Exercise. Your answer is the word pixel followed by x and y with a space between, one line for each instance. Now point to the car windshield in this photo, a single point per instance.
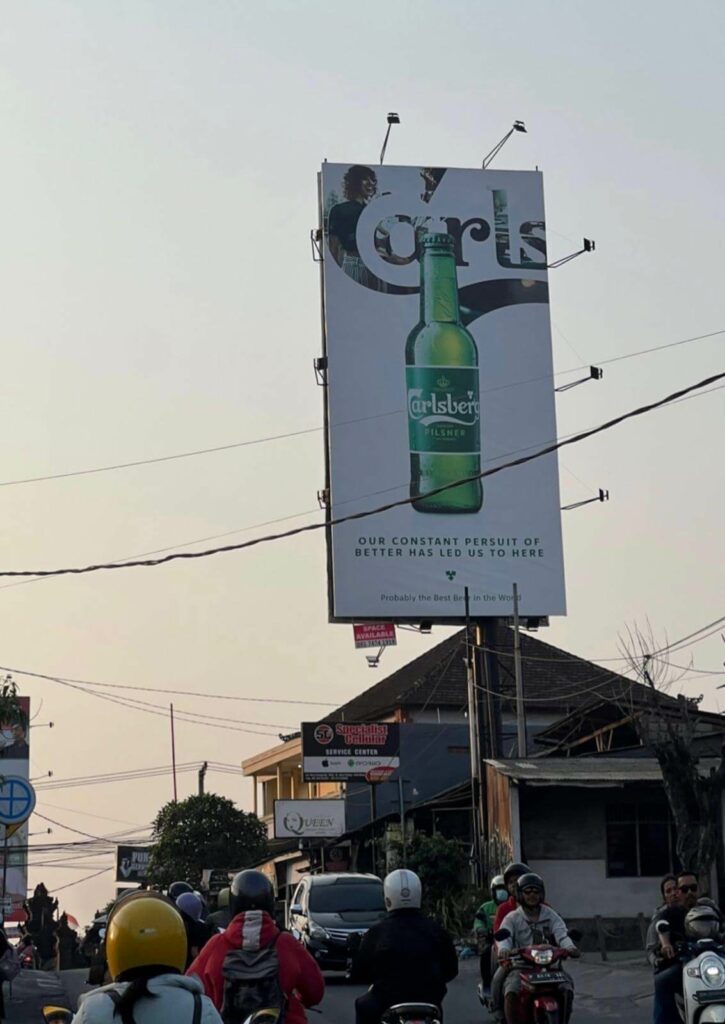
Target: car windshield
pixel 347 897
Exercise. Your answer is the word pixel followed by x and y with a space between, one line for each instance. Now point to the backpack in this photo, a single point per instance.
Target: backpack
pixel 251 983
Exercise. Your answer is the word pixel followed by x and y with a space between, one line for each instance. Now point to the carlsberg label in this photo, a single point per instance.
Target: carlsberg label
pixel 443 409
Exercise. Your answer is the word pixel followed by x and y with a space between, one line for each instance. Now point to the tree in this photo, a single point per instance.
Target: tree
pixel 668 730
pixel 440 864
pixel 200 832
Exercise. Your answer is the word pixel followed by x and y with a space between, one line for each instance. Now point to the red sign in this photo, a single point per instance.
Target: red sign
pixel 380 774
pixel 374 634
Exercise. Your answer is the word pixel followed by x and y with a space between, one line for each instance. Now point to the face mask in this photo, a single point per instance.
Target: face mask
pixel 500 895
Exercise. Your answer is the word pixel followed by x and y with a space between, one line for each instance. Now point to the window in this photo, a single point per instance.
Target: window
pixel 640 839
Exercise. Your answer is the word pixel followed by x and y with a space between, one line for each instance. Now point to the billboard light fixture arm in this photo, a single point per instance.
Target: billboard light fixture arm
pixel 587 246
pixel 373 660
pixel 393 118
pixel 320 365
pixel 595 373
pixel 316 244
pixel 517 126
pixel 602 496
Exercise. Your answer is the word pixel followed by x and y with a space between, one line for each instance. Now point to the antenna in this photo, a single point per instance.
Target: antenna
pixel 517 126
pixel 393 118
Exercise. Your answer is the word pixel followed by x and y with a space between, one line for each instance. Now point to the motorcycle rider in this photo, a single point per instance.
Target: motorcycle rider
pixel 511 875
pixel 407 957
pixel 222 915
pixel 670 898
pixel 146 952
pixel 198 931
pixel 532 923
pixel 483 926
pixel 253 928
pixel 668 979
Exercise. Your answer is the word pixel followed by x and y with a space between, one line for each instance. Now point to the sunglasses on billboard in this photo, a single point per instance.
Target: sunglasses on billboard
pixel 687 888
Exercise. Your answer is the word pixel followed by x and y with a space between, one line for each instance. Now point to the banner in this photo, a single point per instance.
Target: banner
pixel 335 751
pixel 309 819
pixel 439 367
pixel 132 863
pixel 374 634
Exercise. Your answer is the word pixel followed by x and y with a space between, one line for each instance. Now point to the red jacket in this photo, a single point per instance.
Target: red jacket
pixel 503 909
pixel 300 977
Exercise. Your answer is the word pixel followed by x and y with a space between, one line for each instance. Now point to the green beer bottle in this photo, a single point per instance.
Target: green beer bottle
pixel 441 369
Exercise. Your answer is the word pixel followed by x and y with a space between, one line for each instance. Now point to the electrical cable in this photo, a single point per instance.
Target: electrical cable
pixel 313 527
pixel 156 689
pixel 676 644
pixel 78 881
pixel 312 430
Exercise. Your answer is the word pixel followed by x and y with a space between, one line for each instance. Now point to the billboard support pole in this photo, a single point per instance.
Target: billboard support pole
pixel 520 714
pixel 475 746
pixel 401 798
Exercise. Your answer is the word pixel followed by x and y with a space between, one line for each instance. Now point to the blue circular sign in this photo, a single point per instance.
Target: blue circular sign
pixel 17 799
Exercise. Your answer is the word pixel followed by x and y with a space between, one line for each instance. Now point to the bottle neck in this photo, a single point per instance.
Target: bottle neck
pixel 438 288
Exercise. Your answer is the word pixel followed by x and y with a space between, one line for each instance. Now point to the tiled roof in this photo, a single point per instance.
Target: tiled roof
pixel 554 680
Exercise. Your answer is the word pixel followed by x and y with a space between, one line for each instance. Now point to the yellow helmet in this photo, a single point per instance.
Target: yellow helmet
pixel 145 932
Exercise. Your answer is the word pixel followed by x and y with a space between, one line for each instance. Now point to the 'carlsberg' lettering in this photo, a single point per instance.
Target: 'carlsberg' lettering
pixel 442 407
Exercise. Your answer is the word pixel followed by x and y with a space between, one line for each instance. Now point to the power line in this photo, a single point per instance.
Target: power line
pixel 312 527
pixel 714 626
pixel 313 430
pixel 157 689
pixel 79 881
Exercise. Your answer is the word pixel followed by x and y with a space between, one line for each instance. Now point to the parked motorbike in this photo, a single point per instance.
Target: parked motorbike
pixel 703 980
pixel 543 998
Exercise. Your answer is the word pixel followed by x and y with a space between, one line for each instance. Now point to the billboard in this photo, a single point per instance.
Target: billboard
pixel 15 764
pixel 309 819
pixel 132 863
pixel 336 751
pixel 439 367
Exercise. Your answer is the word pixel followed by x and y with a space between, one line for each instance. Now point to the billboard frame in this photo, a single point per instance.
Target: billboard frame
pixel 526 621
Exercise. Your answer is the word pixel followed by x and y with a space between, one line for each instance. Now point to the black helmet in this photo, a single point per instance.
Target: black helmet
pixel 515 868
pixel 251 890
pixel 176 888
pixel 530 881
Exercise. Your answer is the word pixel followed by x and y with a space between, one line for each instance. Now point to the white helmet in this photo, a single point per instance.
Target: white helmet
pixel 402 890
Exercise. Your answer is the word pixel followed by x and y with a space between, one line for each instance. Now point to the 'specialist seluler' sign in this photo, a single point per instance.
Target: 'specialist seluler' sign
pixel 439 367
pixel 309 819
pixel 335 751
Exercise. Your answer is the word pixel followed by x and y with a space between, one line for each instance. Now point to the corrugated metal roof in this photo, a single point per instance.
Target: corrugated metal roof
pixel 580 771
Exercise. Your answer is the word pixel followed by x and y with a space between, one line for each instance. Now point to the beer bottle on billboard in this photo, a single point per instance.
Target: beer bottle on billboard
pixel 442 383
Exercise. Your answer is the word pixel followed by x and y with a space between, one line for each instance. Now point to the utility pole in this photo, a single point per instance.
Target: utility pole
pixel 520 714
pixel 173 748
pixel 202 776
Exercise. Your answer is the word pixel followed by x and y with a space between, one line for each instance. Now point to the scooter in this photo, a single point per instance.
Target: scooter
pixel 543 998
pixel 703 981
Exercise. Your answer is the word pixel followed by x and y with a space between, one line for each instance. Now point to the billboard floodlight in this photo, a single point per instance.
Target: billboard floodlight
pixel 393 118
pixel 517 126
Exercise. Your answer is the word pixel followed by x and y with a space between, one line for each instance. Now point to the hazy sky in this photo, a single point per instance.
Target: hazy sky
pixel 158 295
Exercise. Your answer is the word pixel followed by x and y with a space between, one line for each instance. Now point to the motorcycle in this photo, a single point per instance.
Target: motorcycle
pixel 703 981
pixel 544 997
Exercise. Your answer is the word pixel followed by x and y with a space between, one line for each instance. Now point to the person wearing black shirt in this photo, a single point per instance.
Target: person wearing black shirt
pixel 668 980
pixel 408 957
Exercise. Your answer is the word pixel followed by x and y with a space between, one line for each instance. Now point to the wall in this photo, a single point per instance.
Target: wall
pixel 564 840
pixel 433 759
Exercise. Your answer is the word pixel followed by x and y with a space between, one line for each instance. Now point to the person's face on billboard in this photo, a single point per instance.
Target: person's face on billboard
pixel 368 187
pixel 18 733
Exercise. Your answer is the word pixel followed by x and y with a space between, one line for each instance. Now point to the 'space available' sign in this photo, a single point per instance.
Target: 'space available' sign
pixel 439 367
pixel 335 751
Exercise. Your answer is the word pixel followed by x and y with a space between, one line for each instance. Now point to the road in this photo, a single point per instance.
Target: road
pixel 605 994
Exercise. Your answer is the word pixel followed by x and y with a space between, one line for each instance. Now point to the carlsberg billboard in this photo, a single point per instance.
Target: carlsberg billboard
pixel 439 367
